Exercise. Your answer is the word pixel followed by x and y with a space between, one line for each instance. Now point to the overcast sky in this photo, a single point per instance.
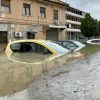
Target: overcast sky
pixel 91 6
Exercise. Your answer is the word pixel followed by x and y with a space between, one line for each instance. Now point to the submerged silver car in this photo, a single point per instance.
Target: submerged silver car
pixel 94 41
pixel 71 44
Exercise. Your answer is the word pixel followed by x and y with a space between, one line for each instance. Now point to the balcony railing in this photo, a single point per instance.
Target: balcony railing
pixel 57 22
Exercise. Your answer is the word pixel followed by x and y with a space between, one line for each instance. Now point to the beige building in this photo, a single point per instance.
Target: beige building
pixel 32 19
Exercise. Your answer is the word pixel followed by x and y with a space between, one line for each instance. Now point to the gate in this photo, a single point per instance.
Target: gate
pixel 3 37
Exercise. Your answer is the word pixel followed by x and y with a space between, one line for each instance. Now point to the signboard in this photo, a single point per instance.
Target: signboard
pixel 4 27
pixel 33 28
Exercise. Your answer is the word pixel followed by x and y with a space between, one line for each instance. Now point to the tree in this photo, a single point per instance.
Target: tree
pixel 88 27
pixel 98 26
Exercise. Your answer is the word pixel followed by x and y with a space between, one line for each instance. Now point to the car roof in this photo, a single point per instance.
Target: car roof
pixel 65 41
pixel 29 40
pixel 91 41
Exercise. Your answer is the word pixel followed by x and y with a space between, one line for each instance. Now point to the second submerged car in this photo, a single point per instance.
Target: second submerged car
pixel 71 44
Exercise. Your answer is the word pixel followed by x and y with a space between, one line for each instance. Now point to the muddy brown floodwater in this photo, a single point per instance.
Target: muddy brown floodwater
pixel 16 70
pixel 79 79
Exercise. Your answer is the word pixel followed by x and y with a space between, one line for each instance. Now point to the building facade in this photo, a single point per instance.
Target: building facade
pixel 73 21
pixel 32 19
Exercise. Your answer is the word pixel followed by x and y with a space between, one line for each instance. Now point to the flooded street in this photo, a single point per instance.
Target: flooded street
pixel 79 79
pixel 18 70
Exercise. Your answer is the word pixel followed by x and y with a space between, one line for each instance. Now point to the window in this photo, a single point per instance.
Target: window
pixel 56 14
pixel 16 47
pixel 5 6
pixel 70 45
pixel 29 47
pixel 42 12
pixel 57 47
pixel 26 9
pixel 70 25
pixel 67 25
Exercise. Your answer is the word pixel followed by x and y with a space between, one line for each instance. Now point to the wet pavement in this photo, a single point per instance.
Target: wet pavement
pixel 79 79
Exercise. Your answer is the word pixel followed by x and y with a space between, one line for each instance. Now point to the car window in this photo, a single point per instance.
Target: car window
pixel 77 43
pixel 59 43
pixel 41 49
pixel 95 41
pixel 25 47
pixel 57 47
pixel 70 45
pixel 15 47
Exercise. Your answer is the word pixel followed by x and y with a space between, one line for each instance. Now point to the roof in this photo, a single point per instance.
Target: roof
pixel 76 9
pixel 59 2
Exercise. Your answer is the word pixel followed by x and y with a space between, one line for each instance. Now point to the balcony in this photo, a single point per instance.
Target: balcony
pixel 57 24
pixel 76 15
pixel 73 22
pixel 73 30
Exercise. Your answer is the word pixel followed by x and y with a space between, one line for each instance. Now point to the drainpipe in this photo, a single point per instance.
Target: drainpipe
pixel 38 23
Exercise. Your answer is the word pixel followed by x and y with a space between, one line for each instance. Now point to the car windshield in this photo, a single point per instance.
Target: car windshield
pixel 78 43
pixel 57 47
pixel 95 41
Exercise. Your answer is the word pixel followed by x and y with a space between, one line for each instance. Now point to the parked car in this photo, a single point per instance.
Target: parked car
pixel 71 44
pixel 35 46
pixel 94 41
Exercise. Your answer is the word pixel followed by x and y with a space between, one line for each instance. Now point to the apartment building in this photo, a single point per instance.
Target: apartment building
pixel 32 19
pixel 73 21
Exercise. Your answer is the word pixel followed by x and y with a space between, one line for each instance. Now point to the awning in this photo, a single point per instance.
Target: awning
pixel 58 27
pixel 73 30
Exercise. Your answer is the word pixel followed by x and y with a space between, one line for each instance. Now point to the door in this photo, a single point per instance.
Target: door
pixel 3 37
pixel 30 35
pixel 52 34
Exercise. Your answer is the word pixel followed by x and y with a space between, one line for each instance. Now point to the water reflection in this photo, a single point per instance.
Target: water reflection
pixel 16 76
pixel 18 70
pixel 28 57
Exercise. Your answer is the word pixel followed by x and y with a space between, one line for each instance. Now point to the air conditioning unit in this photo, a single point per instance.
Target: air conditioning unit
pixel 18 34
pixel 56 22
